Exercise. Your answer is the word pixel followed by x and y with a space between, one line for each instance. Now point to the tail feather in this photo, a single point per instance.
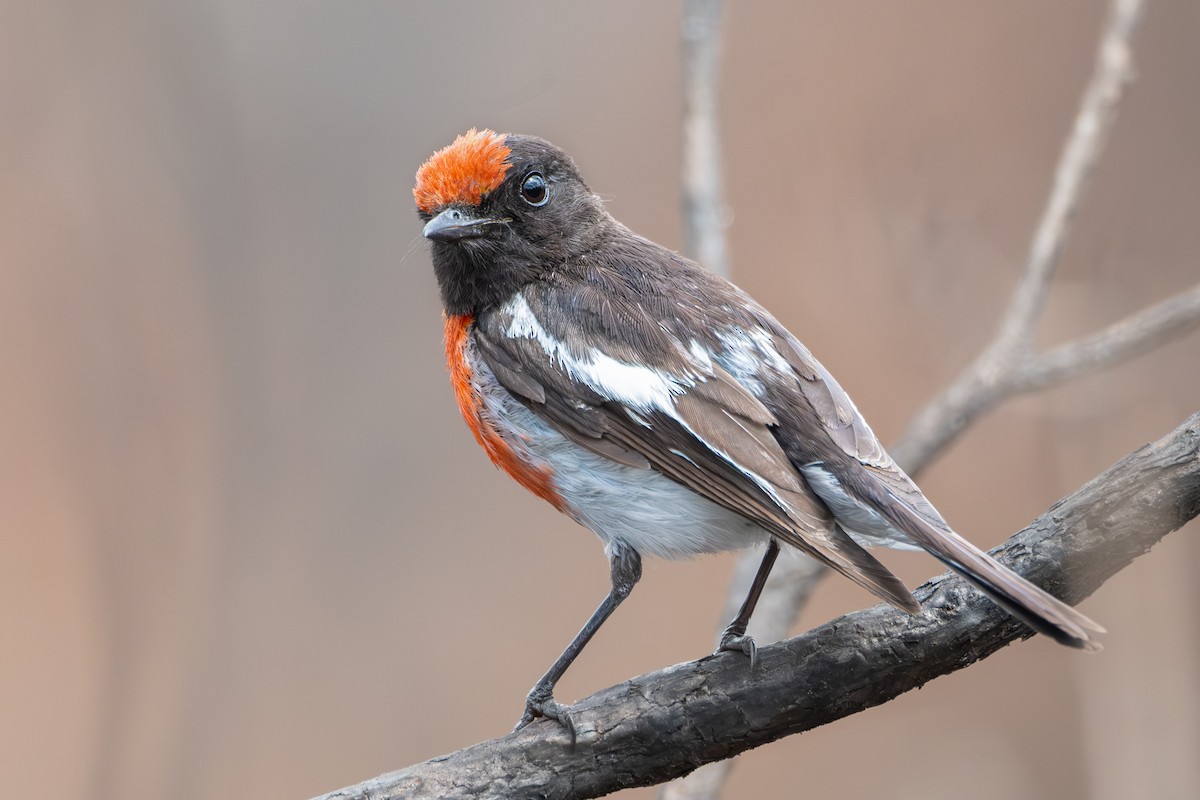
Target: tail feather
pixel 1032 605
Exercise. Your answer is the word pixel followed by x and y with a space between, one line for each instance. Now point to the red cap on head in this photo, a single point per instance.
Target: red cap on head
pixel 473 165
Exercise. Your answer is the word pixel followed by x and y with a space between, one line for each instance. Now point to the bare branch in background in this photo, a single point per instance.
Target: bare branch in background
pixel 996 373
pixel 659 726
pixel 1130 337
pixel 705 215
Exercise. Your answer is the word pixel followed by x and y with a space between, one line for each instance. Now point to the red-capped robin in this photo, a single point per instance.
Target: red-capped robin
pixel 659 405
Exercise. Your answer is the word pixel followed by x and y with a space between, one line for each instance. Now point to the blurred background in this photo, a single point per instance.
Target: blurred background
pixel 247 547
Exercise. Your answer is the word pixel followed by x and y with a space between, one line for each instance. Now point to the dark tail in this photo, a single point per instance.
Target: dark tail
pixel 1033 606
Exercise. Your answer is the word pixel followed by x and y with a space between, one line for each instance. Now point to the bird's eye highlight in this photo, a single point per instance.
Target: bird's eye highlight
pixel 534 189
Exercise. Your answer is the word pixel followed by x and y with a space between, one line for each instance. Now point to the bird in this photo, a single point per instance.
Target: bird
pixel 660 406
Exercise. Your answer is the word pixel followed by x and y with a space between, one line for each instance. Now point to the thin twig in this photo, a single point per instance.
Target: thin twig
pixel 659 726
pixel 1132 336
pixel 705 215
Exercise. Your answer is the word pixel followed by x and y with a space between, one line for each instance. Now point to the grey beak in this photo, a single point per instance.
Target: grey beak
pixel 454 224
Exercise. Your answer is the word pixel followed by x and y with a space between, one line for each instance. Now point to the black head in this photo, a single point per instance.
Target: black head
pixel 502 210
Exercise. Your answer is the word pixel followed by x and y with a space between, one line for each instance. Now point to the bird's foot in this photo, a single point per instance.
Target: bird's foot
pixel 541 703
pixel 736 641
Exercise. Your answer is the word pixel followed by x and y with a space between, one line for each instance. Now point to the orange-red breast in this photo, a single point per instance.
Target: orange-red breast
pixel 659 405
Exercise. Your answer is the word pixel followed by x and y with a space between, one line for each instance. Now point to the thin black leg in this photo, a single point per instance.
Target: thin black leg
pixel 734 638
pixel 625 568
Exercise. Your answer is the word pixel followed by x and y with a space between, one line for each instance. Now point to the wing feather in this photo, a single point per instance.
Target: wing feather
pixel 844 426
pixel 709 434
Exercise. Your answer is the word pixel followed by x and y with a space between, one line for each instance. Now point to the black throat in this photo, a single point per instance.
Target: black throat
pixel 475 275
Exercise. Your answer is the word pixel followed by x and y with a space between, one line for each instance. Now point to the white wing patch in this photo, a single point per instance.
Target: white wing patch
pixel 640 388
pixel 702 356
pixel 745 355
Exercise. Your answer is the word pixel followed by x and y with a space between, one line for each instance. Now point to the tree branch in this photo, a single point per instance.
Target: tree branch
pixel 1132 336
pixel 662 725
pixel 705 215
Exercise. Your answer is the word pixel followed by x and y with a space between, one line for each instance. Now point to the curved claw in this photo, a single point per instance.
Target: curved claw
pixel 740 644
pixel 547 707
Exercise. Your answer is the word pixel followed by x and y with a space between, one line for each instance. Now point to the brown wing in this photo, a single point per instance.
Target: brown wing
pixel 843 426
pixel 715 438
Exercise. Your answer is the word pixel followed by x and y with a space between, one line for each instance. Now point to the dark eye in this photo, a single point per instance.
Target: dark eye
pixel 534 189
